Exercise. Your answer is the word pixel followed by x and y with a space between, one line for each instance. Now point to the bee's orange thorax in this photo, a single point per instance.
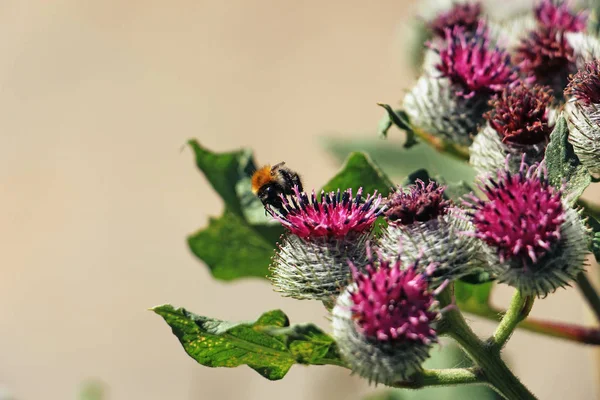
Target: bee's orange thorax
pixel 261 177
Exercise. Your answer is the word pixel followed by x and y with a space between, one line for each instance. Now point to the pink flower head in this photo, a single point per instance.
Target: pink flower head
pixel 472 64
pixel 464 15
pixel 335 214
pixel 420 203
pixel 520 114
pixel 555 14
pixel 546 57
pixel 584 86
pixel 392 304
pixel 522 216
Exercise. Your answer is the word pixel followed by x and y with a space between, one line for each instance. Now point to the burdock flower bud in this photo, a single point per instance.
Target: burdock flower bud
pixel 427 228
pixel 520 122
pixel 583 115
pixel 433 106
pixel 323 234
pixel 536 242
pixel 464 15
pixel 384 322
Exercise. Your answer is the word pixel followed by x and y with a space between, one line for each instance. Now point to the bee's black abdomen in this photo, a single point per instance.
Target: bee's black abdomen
pixel 290 179
pixel 269 195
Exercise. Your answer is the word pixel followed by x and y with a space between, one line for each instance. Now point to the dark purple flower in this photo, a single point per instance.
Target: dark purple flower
pixel 520 114
pixel 546 57
pixel 420 203
pixel 334 214
pixel 555 14
pixel 472 64
pixel 464 15
pixel 390 303
pixel 584 86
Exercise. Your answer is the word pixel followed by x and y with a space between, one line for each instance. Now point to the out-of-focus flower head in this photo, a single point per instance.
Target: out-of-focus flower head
pixel 546 57
pixel 465 15
pixel 472 64
pixel 556 14
pixel 583 115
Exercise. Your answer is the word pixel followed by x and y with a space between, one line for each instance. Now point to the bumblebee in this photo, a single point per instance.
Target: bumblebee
pixel 270 182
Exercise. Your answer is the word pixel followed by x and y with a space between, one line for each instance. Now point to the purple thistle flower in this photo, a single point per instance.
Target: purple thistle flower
pixel 557 15
pixel 472 64
pixel 384 322
pixel 394 304
pixel 423 223
pixel 323 234
pixel 334 214
pixel 520 122
pixel 420 203
pixel 539 242
pixel 520 114
pixel 522 216
pixel 464 15
pixel 584 86
pixel 546 57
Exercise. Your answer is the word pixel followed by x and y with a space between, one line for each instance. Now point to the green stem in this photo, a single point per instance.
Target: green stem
pixel 492 367
pixel 518 310
pixel 589 292
pixel 443 377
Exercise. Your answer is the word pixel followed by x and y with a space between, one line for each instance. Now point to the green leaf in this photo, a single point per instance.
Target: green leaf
pixel 398 162
pixel 230 175
pixel 233 249
pixel 360 171
pixel 262 345
pixel 400 119
pixel 454 190
pixel 563 165
pixel 473 298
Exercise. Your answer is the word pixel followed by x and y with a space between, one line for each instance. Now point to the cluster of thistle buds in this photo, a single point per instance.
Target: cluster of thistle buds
pixel 380 263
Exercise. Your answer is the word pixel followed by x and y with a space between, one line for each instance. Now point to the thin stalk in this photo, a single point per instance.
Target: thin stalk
pixel 571 332
pixel 488 360
pixel 589 292
pixel 518 310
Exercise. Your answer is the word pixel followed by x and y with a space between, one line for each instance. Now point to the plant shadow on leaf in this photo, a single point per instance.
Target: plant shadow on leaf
pixel 398 162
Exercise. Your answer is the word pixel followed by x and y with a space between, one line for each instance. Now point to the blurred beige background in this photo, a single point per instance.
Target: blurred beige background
pixel 97 99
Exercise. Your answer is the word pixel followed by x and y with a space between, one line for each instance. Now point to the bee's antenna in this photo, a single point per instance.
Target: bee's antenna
pixel 278 165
